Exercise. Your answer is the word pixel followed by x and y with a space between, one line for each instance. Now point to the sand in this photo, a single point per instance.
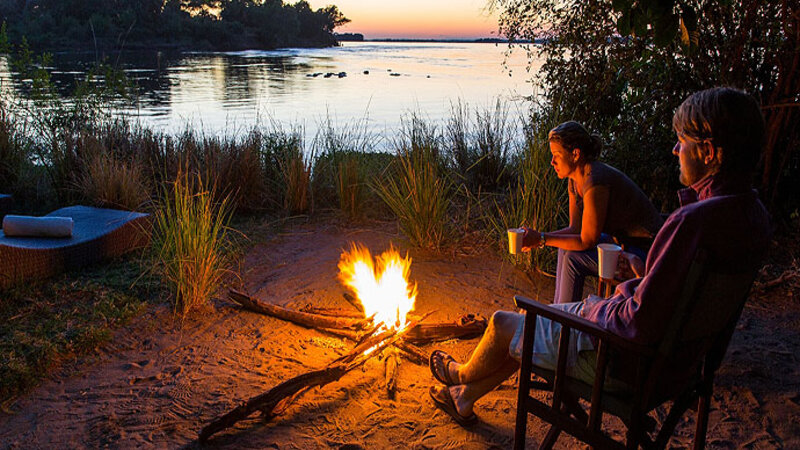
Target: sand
pixel 158 382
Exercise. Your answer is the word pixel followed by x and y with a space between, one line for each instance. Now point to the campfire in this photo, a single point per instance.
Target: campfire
pixel 381 324
pixel 381 285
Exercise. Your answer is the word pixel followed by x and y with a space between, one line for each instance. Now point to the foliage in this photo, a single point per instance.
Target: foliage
pixel 627 88
pixel 197 24
pixel 190 242
pixel 419 191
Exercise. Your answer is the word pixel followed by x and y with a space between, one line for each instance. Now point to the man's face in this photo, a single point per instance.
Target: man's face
pixel 690 157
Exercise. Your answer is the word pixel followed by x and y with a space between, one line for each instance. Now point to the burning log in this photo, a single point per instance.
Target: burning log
pixel 276 400
pixel 465 327
pixel 391 369
pixel 412 352
pixel 336 312
pixel 354 301
pixel 300 318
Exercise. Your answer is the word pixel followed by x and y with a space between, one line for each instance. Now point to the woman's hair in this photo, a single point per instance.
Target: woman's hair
pixel 572 135
pixel 730 119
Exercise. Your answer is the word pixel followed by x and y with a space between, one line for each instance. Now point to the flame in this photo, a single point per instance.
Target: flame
pixel 381 285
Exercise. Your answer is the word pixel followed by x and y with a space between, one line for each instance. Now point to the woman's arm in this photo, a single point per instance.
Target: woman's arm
pixel 575 215
pixel 595 207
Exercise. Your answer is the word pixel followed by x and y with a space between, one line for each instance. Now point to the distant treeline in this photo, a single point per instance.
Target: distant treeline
pixel 178 24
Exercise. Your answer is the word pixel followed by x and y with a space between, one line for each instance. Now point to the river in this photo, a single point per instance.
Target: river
pixel 375 84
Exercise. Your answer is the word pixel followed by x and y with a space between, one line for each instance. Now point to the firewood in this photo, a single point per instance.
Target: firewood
pixel 465 327
pixel 276 400
pixel 391 369
pixel 354 301
pixel 300 318
pixel 412 353
pixel 335 312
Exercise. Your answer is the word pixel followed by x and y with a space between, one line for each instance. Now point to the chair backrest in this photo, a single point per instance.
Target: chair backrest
pixel 706 313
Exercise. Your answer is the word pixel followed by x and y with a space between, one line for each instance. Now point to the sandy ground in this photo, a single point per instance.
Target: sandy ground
pixel 157 384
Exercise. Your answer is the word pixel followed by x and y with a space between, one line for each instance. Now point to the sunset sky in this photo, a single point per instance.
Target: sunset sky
pixel 424 19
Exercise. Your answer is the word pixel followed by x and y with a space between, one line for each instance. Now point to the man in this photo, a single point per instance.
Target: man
pixel 720 133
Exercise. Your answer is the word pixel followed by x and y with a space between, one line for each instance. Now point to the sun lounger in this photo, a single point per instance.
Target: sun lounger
pixel 98 234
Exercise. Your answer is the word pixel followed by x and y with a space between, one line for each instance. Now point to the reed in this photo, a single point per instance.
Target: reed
pixel 539 199
pixel 479 150
pixel 189 241
pixel 418 190
pixel 110 181
pixel 343 167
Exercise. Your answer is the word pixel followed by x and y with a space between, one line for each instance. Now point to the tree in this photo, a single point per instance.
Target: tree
pixel 623 66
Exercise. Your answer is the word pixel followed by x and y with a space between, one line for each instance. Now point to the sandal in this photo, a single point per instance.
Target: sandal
pixel 444 401
pixel 439 363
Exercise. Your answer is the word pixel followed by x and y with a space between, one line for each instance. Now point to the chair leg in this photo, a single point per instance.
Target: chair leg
pixel 679 407
pixel 703 405
pixel 633 434
pixel 550 440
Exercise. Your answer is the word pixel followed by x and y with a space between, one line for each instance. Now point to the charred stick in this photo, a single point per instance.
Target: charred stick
pixel 336 312
pixel 277 399
pixel 354 301
pixel 466 327
pixel 300 318
pixel 413 353
pixel 391 369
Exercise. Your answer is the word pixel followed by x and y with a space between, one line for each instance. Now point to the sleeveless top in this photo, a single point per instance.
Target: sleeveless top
pixel 631 217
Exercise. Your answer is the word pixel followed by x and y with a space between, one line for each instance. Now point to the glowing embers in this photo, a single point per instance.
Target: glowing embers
pixel 380 284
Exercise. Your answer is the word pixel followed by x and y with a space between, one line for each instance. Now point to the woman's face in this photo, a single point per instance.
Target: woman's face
pixel 563 162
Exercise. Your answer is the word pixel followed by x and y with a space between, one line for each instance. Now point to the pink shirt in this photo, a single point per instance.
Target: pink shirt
pixel 723 217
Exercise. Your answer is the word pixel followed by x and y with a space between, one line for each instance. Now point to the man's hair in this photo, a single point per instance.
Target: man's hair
pixel 572 135
pixel 728 118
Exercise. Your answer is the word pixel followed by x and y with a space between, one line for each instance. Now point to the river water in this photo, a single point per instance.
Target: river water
pixel 376 84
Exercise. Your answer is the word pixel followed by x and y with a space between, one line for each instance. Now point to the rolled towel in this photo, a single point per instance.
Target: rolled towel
pixel 29 226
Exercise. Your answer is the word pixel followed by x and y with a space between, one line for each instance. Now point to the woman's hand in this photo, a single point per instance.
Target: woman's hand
pixel 530 239
pixel 629 266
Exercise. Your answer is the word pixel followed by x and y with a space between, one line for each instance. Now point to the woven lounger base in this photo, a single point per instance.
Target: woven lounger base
pixel 98 234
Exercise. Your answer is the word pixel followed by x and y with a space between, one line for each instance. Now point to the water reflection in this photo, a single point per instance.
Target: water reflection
pixel 231 92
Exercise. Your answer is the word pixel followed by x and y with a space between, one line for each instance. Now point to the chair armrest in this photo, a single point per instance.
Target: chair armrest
pixel 581 324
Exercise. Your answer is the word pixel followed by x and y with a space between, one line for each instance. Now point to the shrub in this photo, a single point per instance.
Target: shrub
pixel 189 239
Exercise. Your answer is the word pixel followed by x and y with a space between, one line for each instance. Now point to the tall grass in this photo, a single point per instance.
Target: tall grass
pixel 109 181
pixel 13 150
pixel 344 166
pixel 419 191
pixel 539 199
pixel 479 150
pixel 189 240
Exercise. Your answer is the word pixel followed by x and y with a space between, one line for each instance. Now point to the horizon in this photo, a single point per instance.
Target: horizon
pixel 416 19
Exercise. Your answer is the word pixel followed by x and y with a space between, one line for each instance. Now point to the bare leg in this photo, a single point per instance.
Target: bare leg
pixel 492 351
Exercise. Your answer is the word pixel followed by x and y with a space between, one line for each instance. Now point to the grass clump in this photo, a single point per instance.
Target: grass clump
pixel 111 182
pixel 419 191
pixel 189 239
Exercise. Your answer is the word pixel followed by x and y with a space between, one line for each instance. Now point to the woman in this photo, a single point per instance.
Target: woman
pixel 604 206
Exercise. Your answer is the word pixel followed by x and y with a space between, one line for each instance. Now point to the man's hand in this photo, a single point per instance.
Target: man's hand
pixel 629 266
pixel 530 239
